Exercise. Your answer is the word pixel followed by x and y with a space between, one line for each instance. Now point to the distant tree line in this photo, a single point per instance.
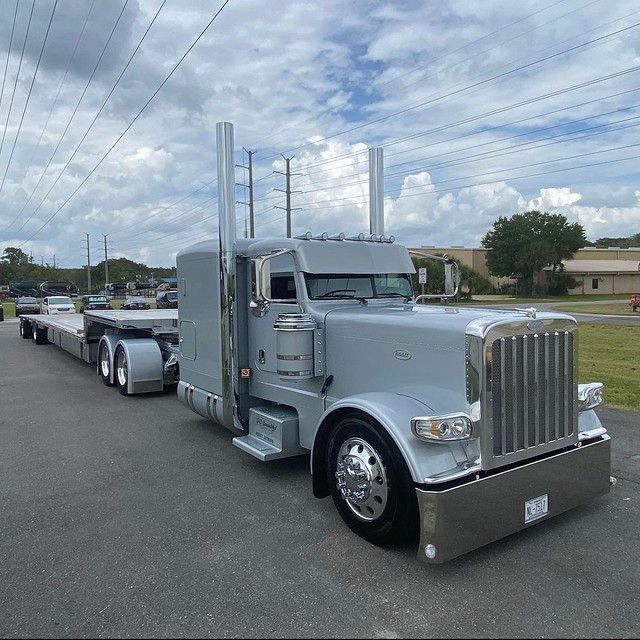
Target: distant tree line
pixel 16 265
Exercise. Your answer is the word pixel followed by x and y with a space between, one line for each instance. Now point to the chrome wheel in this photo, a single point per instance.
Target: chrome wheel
pixel 105 365
pixel 362 479
pixel 122 370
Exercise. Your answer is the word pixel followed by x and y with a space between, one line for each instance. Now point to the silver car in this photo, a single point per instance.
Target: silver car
pixel 54 305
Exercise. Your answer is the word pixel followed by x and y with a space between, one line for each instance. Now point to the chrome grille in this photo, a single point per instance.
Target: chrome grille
pixel 532 395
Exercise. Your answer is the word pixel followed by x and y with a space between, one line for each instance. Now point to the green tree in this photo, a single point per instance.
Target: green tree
pixel 15 257
pixel 527 242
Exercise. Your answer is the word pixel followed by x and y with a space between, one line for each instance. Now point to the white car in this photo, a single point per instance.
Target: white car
pixel 53 305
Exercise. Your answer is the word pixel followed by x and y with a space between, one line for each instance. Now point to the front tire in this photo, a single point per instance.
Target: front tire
pixel 370 483
pixel 121 371
pixel 104 365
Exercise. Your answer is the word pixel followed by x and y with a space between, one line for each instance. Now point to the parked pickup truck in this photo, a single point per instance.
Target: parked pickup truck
pixel 94 303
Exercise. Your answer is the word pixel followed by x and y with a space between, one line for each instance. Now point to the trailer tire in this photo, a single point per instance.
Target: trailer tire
pixel 121 371
pixel 26 330
pixel 370 483
pixel 39 335
pixel 104 364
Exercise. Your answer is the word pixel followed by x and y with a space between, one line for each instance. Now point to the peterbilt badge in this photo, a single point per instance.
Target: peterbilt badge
pixel 402 355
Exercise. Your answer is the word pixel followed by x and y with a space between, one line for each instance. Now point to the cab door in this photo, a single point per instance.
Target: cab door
pixel 262 336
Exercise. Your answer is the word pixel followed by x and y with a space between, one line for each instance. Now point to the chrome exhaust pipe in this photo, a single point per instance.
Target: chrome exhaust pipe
pixel 376 191
pixel 227 253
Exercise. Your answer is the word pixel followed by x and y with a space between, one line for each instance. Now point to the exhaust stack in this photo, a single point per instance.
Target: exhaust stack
pixel 227 249
pixel 376 191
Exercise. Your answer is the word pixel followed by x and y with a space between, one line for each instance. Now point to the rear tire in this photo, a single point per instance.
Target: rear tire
pixel 26 330
pixel 121 371
pixel 104 365
pixel 370 483
pixel 39 335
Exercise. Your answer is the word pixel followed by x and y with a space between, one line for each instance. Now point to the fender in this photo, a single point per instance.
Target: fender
pixel 393 412
pixel 144 360
pixel 111 340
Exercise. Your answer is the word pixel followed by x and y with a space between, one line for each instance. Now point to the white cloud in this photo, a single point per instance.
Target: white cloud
pixel 292 75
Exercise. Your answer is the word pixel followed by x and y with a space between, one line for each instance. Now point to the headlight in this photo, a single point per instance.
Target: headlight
pixel 456 426
pixel 590 395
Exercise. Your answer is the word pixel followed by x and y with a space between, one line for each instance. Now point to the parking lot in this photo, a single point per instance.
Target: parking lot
pixel 134 517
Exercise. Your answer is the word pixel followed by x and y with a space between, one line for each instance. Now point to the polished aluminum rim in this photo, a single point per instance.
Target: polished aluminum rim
pixel 362 479
pixel 104 362
pixel 122 369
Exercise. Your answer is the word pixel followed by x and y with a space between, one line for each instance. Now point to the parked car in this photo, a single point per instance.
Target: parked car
pixel 26 304
pixel 93 303
pixel 167 300
pixel 54 305
pixel 135 303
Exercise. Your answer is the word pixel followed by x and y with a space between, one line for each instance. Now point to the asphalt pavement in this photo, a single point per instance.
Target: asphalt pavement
pixel 133 517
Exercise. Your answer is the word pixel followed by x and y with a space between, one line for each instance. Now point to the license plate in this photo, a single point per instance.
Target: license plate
pixel 536 508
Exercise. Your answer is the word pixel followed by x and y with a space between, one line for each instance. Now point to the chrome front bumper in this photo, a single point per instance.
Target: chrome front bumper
pixel 458 520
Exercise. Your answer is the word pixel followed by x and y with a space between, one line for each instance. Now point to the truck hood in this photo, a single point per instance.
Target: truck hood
pixel 413 350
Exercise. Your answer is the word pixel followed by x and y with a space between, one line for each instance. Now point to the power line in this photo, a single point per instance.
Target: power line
pixel 494 153
pixel 465 88
pixel 26 104
pixel 162 209
pixel 15 84
pixel 106 99
pixel 468 44
pixel 155 93
pixel 6 66
pixel 73 115
pixel 497 111
pixel 51 110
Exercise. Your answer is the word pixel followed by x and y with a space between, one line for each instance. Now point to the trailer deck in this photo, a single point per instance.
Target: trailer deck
pixel 79 334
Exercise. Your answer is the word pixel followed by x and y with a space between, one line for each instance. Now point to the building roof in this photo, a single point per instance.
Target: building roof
pixel 600 266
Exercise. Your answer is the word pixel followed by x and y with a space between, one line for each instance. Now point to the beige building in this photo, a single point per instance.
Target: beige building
pixel 599 271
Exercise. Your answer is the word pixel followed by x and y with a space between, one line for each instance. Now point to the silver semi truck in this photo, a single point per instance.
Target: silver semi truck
pixel 462 424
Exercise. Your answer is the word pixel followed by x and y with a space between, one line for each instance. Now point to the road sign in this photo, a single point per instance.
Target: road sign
pixel 422 275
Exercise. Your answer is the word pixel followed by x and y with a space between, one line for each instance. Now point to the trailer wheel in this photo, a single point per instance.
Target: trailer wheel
pixel 104 365
pixel 370 482
pixel 39 335
pixel 121 371
pixel 26 331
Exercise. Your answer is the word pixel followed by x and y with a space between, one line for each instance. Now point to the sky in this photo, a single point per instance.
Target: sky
pixel 483 109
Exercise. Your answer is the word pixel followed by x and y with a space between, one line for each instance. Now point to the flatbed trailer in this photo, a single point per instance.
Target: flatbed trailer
pixel 137 351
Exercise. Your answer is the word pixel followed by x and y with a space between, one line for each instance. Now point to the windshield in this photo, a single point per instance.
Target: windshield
pixel 60 300
pixel 97 299
pixel 26 301
pixel 385 285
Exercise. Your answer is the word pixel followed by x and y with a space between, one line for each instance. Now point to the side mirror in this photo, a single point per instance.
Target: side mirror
pixel 262 279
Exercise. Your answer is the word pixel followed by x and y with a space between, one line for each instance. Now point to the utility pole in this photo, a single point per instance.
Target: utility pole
pixel 249 186
pixel 106 262
pixel 287 174
pixel 88 266
pixel 54 260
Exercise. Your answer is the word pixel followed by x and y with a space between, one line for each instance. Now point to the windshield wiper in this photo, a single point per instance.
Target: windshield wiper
pixel 337 294
pixel 394 294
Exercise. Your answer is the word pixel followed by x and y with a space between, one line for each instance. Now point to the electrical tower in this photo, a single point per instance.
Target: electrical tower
pixel 88 266
pixel 249 186
pixel 106 261
pixel 287 191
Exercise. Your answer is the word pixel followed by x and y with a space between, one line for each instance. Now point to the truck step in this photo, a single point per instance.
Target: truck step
pixel 273 433
pixel 259 448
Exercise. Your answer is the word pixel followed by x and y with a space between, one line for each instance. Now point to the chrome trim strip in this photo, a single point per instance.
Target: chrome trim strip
pixel 525 393
pixel 536 361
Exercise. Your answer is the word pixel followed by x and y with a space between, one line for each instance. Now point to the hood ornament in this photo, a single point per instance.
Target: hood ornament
pixel 530 312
